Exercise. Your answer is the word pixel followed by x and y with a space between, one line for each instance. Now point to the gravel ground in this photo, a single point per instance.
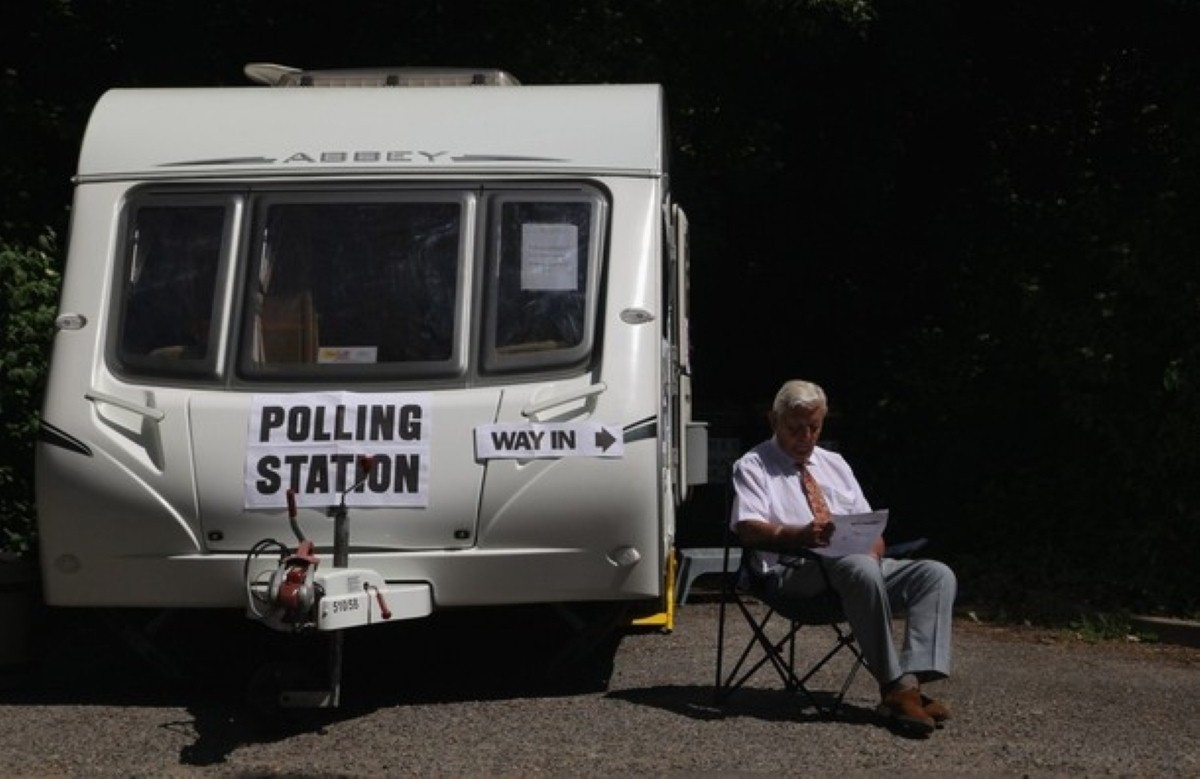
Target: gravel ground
pixel 444 698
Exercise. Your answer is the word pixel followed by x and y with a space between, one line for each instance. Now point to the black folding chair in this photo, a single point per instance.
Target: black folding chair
pixel 773 632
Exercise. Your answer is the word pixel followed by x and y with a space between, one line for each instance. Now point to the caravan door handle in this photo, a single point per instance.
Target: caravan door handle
pixel 533 409
pixel 138 408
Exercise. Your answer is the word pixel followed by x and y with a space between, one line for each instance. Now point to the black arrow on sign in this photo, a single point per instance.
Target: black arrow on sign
pixel 604 439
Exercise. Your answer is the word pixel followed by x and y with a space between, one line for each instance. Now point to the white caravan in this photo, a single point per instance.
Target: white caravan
pixel 481 287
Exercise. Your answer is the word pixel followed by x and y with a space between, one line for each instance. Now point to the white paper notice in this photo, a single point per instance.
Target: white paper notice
pixel 311 443
pixel 549 257
pixel 854 533
pixel 523 441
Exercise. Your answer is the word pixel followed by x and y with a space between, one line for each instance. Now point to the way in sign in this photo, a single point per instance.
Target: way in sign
pixel 548 440
pixel 530 440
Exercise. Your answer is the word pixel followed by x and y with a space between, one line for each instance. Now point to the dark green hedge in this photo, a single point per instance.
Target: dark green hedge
pixel 29 286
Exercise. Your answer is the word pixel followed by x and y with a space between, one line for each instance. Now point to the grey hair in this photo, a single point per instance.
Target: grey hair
pixel 799 394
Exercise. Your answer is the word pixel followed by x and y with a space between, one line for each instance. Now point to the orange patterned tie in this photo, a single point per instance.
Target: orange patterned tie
pixel 816 498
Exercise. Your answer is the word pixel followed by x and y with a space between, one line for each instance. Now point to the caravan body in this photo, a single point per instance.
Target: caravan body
pixel 483 288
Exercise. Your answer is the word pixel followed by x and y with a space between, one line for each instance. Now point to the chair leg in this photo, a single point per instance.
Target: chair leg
pixel 728 683
pixel 781 655
pixel 845 641
pixel 773 652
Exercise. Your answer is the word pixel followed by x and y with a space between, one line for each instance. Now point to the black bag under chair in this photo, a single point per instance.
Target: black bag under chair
pixel 773 639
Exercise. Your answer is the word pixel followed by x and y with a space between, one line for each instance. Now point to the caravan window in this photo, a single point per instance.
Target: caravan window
pixel 356 285
pixel 168 312
pixel 541 298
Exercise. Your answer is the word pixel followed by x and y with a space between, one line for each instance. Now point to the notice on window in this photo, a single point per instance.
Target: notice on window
pixel 313 443
pixel 549 257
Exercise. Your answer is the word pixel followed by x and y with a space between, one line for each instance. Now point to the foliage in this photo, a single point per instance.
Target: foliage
pixel 1054 369
pixel 1102 627
pixel 29 285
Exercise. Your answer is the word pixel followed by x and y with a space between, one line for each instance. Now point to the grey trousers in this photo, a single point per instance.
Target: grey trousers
pixel 872 591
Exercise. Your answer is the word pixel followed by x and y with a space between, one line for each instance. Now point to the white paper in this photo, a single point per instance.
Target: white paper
pixel 311 442
pixel 549 257
pixel 854 533
pixel 523 441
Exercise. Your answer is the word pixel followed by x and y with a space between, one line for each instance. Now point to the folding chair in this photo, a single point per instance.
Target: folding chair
pixel 773 632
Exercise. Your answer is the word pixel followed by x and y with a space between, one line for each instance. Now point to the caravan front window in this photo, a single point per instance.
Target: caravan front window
pixel 168 316
pixel 331 285
pixel 355 285
pixel 542 280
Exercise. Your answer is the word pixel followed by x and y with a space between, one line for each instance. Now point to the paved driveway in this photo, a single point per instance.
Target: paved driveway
pixel 431 700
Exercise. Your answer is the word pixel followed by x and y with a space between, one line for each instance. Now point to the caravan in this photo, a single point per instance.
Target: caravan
pixel 476 288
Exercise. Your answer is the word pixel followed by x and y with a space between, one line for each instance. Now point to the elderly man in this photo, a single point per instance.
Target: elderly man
pixel 788 493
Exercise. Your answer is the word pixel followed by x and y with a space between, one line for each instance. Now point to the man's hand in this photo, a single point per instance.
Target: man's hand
pixel 818 533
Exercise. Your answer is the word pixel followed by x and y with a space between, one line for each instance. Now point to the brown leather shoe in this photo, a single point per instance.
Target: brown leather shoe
pixel 903 708
pixel 936 710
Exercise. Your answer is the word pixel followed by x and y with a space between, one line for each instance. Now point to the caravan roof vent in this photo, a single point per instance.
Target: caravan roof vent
pixel 284 76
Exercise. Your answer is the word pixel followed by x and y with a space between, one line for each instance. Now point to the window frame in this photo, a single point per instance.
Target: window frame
pixel 182 367
pixel 455 366
pixel 493 360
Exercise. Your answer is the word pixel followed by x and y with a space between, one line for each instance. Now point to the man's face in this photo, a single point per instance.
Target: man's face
pixel 798 430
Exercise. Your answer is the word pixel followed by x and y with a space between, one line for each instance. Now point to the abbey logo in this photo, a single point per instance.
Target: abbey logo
pixel 342 157
pixel 370 157
pixel 403 156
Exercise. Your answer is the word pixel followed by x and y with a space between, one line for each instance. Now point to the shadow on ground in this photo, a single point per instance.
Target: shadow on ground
pixel 229 672
pixel 767 704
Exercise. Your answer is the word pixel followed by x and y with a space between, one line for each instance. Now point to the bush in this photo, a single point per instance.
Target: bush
pixel 29 286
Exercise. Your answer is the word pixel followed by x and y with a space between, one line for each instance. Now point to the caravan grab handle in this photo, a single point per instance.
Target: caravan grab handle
pixel 138 408
pixel 534 409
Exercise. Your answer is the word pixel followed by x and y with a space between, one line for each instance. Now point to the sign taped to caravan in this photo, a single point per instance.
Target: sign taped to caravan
pixel 524 441
pixel 311 442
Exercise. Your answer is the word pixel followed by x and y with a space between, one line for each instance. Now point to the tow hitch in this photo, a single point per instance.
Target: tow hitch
pixel 299 596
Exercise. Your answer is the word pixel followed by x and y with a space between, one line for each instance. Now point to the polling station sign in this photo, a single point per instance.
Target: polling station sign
pixel 311 443
pixel 542 440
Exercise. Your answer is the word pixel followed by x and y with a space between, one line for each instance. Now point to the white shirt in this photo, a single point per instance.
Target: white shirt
pixel 766 487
